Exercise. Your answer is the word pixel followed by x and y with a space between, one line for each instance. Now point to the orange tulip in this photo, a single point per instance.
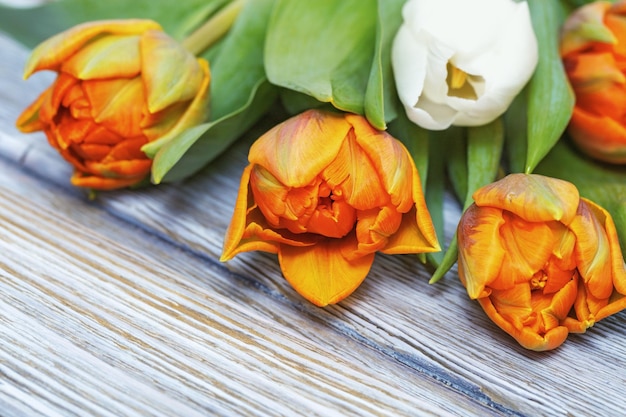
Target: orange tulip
pixel 120 85
pixel 541 261
pixel 593 48
pixel 326 191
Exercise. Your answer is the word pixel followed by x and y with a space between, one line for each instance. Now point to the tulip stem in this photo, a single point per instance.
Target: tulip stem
pixel 213 29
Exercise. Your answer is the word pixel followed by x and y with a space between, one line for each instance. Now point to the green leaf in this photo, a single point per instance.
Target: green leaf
pixel 416 140
pixel 295 102
pixel 381 96
pixel 484 150
pixel 323 48
pixel 516 132
pixel 177 18
pixel 602 183
pixel 455 139
pixel 435 192
pixel 240 95
pixel 550 97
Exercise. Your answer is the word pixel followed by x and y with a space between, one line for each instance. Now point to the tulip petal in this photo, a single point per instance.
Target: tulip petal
pixel 610 146
pixel 56 50
pixel 171 73
pixel 528 246
pixel 118 104
pixel 197 112
pixel 115 56
pixel 593 252
pixel 391 161
pixel 511 310
pixel 297 150
pixel 480 250
pixel 533 197
pixel 584 26
pixel 30 121
pixel 352 176
pixel 413 235
pixel 320 273
pixel 81 179
pixel 250 231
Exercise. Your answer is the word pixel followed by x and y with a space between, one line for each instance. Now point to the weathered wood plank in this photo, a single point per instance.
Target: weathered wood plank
pixel 94 326
pixel 433 332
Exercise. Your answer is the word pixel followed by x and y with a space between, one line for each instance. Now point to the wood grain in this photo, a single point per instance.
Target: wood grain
pixel 119 307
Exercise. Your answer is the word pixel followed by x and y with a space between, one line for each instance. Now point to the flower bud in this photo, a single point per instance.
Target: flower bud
pixel 541 261
pixel 327 191
pixel 459 62
pixel 593 45
pixel 120 85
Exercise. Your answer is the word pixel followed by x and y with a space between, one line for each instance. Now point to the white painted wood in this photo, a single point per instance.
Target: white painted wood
pixel 127 294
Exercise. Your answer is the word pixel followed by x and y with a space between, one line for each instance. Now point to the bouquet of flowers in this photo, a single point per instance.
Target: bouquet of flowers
pixel 516 107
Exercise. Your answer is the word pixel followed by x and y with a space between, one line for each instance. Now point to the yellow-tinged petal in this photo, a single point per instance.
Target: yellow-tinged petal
pixel 197 112
pixel 353 176
pixel 269 195
pixel 585 26
pixel 480 250
pixel 320 273
pixel 593 252
pixel 250 231
pixel 414 235
pixel 525 336
pixel 533 197
pixel 297 150
pixel 29 121
pixel 527 245
pixel 170 73
pixel 618 270
pixel 115 56
pixel 374 227
pixel 391 161
pixel 51 53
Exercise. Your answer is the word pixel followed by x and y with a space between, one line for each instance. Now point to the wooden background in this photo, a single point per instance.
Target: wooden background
pixel 119 307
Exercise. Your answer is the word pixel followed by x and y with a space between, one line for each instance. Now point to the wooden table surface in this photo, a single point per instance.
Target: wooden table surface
pixel 120 307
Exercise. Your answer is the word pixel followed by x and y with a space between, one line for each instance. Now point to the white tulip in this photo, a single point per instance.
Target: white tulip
pixel 461 62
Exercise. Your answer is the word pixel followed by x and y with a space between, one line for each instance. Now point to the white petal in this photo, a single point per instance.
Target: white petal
pixel 408 57
pixel 490 39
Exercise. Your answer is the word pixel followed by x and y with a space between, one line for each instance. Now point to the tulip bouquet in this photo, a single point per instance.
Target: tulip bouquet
pixel 516 107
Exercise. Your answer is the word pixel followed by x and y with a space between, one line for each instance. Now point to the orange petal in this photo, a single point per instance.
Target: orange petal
pixel 51 53
pixel 29 121
pixel 297 150
pixel 528 246
pixel 594 72
pixel 353 176
pixel 584 27
pixel 120 169
pixel 599 136
pixel 80 179
pixel 249 230
pixel 320 273
pixel 271 196
pixel 525 336
pixel 593 252
pixel 50 106
pixel 533 197
pixel 391 161
pixel 480 250
pixel 114 56
pixel 413 235
pixel 118 104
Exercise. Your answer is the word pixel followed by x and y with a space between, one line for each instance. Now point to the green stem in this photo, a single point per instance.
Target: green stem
pixel 214 28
